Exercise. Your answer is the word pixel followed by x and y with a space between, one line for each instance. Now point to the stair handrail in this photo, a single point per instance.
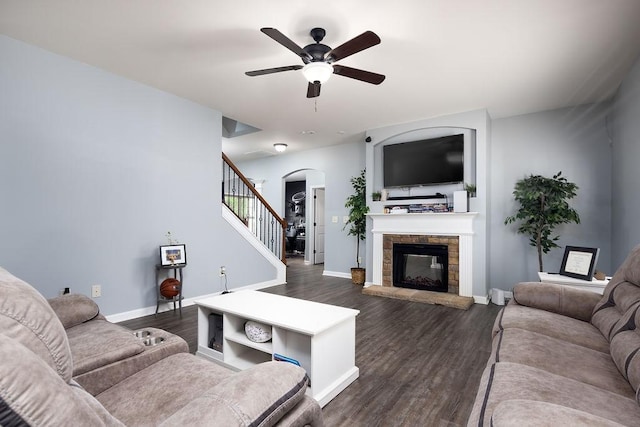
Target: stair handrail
pixel 280 252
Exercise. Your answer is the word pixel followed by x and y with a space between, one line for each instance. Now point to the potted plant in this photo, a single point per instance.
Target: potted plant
pixel 470 189
pixel 357 221
pixel 543 206
pixel 376 196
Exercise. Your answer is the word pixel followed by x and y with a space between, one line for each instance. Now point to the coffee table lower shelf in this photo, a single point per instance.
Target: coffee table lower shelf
pixel 320 337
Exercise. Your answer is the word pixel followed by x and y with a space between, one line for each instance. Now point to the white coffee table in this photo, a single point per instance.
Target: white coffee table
pixel 321 337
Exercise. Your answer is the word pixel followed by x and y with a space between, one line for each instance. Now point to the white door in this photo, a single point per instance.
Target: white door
pixel 318 226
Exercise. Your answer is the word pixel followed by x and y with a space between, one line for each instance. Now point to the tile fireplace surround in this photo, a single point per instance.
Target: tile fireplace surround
pixel 398 228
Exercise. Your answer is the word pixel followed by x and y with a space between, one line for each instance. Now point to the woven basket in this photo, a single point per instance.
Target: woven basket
pixel 357 276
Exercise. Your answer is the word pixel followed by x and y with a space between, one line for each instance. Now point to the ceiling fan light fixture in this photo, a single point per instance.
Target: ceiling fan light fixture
pixel 280 147
pixel 317 72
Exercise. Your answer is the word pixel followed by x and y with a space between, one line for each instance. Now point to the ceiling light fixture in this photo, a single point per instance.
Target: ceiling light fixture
pixel 280 147
pixel 317 72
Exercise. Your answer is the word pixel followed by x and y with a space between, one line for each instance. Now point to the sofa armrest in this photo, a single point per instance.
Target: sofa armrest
pixel 530 413
pixel 74 309
pixel 260 395
pixel 559 299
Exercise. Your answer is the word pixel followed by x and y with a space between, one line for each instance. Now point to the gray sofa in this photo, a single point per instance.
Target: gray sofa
pixel 62 363
pixel 563 356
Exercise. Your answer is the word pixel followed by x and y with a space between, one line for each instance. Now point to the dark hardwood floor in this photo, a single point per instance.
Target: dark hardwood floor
pixel 420 364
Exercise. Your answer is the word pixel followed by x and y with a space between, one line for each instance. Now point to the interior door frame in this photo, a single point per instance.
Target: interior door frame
pixel 311 237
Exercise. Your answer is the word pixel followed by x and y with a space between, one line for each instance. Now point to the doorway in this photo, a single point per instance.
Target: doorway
pixel 318 226
pixel 302 213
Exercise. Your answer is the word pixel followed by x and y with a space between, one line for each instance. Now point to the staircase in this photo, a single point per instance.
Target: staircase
pixel 251 209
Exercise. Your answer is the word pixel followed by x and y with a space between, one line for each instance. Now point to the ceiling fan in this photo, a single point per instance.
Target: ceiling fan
pixel 319 59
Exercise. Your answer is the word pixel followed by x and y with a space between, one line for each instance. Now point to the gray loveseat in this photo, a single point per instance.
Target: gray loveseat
pixel 62 363
pixel 563 356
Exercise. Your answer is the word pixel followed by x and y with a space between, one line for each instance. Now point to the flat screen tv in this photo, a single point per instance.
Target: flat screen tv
pixel 425 162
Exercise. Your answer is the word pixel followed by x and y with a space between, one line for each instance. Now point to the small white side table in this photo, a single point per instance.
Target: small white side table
pixel 594 285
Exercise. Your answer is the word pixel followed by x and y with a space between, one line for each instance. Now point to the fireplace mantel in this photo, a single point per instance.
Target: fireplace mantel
pixel 438 224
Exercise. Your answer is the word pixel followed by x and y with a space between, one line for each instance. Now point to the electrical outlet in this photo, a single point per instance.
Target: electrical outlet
pixel 345 219
pixel 96 291
pixel 334 219
pixel 223 271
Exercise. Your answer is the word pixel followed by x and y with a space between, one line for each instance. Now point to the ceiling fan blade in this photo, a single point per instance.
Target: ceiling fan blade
pixel 355 45
pixel 313 90
pixel 362 75
pixel 273 70
pixel 286 42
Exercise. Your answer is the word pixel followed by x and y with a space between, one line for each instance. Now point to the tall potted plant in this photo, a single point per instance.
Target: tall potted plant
pixel 357 223
pixel 543 206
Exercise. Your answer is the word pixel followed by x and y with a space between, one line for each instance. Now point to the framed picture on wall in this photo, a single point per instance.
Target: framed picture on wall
pixel 579 262
pixel 173 255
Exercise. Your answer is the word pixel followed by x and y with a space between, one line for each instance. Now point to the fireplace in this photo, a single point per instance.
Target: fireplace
pixel 421 266
pixel 452 229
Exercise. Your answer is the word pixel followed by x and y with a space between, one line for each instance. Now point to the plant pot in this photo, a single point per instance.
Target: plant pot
pixel 357 276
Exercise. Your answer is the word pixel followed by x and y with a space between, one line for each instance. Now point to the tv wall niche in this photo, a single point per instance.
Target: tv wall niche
pixel 426 161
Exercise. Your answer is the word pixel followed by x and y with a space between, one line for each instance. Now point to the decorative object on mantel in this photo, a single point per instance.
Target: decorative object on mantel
pixel 357 204
pixel 543 206
pixel 471 189
pixel 460 201
pixel 376 196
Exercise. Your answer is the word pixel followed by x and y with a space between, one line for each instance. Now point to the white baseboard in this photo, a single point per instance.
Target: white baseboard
pixel 336 274
pixel 481 299
pixel 168 306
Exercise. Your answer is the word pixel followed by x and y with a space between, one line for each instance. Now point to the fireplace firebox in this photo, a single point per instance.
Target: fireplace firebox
pixel 421 266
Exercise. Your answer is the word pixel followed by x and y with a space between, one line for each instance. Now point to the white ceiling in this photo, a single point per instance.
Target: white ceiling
pixel 440 57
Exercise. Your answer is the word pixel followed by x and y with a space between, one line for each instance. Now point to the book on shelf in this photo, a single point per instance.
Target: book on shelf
pixel 281 358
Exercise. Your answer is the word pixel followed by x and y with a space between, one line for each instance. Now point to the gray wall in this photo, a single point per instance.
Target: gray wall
pixel 95 169
pixel 339 163
pixel 626 173
pixel 573 141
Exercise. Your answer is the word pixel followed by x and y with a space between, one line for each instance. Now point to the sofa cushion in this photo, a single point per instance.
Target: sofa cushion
pixel 620 295
pixel 74 309
pixel 187 390
pixel 28 318
pixel 559 357
pixel 529 413
pixel 99 343
pixel 507 381
pixel 100 379
pixel 620 299
pixel 625 348
pixel 551 324
pixel 258 396
pixel 157 392
pixel 555 298
pixel 31 393
pixel 307 412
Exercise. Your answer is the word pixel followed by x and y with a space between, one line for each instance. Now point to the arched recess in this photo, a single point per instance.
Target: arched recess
pixel 304 216
pixel 470 158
